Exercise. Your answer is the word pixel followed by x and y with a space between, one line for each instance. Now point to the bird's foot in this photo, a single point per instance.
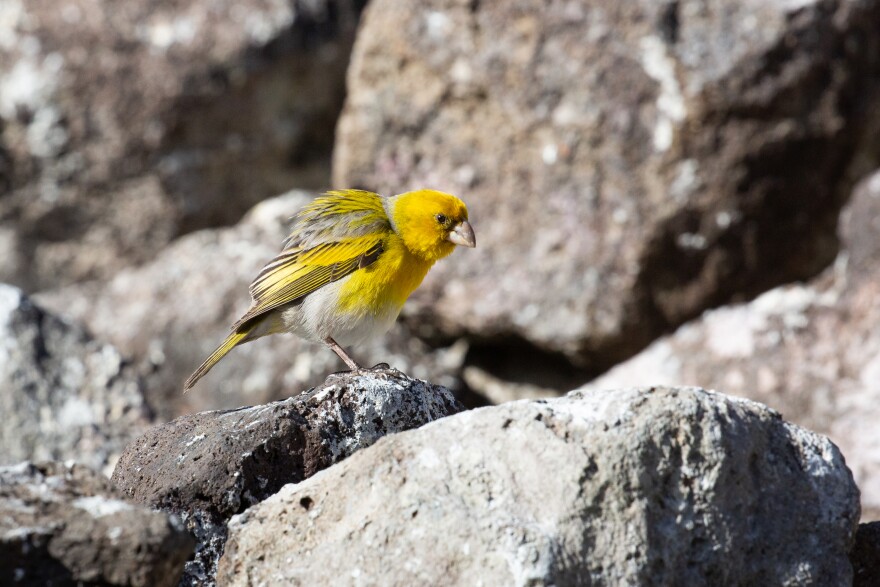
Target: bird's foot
pixel 359 369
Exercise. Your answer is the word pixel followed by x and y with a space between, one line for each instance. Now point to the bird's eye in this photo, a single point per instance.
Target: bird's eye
pixel 442 219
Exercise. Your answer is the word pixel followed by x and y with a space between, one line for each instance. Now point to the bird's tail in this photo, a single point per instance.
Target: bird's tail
pixel 233 340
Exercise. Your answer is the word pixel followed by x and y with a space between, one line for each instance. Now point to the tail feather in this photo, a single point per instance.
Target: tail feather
pixel 233 340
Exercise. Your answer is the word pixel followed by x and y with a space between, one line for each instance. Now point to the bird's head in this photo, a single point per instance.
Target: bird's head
pixel 430 223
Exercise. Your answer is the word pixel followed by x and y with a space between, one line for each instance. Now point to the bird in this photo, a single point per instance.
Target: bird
pixel 351 260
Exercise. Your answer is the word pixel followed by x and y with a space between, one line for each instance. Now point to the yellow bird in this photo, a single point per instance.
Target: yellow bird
pixel 351 261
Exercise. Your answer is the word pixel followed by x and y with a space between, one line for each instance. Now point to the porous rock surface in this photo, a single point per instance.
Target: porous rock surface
pixel 811 351
pixel 124 125
pixel 634 162
pixel 170 314
pixel 650 486
pixel 64 524
pixel 208 466
pixel 63 395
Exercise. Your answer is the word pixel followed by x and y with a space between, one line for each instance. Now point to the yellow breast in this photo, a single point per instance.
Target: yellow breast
pixel 387 283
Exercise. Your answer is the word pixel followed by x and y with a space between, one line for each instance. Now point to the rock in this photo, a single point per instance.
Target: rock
pixel 635 163
pixel 659 486
pixel 171 313
pixel 124 127
pixel 63 395
pixel 811 351
pixel 207 467
pixel 865 556
pixel 63 524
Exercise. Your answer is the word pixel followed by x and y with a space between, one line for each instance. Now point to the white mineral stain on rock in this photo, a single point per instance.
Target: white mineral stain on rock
pixel 114 534
pixel 262 26
pixel 195 439
pixel 437 23
pixel 686 180
pixel 99 506
pixel 691 241
pixel 670 102
pixel 30 86
pixel 794 5
pixel 10 300
pixel 24 532
pixel 15 504
pixel 461 71
pixel 738 331
pixel 163 34
pixel 428 458
pixel 11 17
pixel 75 412
pixel 732 333
pixel 724 219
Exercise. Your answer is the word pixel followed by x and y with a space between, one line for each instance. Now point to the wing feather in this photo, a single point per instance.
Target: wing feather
pixel 333 236
pixel 289 278
pixel 337 214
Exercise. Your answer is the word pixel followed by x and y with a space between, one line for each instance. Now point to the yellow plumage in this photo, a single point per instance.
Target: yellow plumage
pixel 351 261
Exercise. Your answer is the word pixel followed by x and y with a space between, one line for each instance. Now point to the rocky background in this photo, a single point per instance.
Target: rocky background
pixel 677 193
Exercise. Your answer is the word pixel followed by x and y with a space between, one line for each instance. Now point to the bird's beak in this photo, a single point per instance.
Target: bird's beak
pixel 463 234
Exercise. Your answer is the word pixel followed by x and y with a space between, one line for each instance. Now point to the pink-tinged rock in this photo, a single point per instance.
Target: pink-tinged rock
pixel 126 124
pixel 627 165
pixel 811 350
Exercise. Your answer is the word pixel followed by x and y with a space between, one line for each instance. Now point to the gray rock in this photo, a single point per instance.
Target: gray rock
pixel 207 467
pixel 633 162
pixel 811 351
pixel 126 126
pixel 651 486
pixel 63 395
pixel 63 524
pixel 170 314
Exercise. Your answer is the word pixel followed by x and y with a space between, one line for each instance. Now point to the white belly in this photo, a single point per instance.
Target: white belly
pixel 319 317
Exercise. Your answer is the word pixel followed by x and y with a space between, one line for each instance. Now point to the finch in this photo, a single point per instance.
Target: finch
pixel 352 259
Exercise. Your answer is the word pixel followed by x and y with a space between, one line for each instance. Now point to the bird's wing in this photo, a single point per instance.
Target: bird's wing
pixel 296 273
pixel 337 215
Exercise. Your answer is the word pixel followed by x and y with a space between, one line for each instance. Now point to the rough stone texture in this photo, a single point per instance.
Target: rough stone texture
pixel 811 351
pixel 123 125
pixel 171 313
pixel 63 524
pixel 207 467
pixel 634 162
pixel 652 486
pixel 62 394
pixel 865 556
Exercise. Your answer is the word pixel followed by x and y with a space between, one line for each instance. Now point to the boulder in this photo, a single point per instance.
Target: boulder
pixel 626 165
pixel 123 127
pixel 650 486
pixel 64 524
pixel 171 313
pixel 63 395
pixel 811 351
pixel 207 467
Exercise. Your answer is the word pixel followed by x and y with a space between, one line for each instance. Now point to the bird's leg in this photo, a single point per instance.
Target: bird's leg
pixel 342 354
